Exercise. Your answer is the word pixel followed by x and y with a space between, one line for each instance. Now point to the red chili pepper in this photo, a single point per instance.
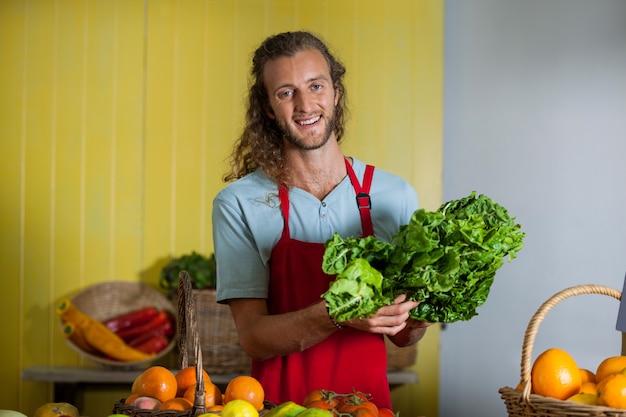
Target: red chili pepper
pixel 133 318
pixel 166 329
pixel 154 345
pixel 131 332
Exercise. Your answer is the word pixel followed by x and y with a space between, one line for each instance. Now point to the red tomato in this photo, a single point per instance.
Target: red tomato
pixel 321 404
pixel 364 412
pixel 321 396
pixel 355 397
pixel 350 406
pixel 385 412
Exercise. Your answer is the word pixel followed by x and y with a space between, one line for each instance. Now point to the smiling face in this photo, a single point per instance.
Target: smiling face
pixel 302 98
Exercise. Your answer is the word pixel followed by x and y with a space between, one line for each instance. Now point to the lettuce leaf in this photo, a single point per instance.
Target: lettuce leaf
pixel 356 292
pixel 445 259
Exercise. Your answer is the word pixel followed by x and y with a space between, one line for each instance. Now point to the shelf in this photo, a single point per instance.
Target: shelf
pixel 67 380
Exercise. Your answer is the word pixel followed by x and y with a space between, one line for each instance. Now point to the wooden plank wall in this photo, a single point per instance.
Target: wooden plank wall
pixel 115 120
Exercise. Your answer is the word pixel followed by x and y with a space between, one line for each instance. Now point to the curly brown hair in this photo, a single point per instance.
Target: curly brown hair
pixel 261 143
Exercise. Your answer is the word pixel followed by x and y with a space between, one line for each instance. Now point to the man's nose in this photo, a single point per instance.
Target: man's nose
pixel 303 102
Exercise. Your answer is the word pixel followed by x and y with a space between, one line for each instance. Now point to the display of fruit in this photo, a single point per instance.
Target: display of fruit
pixel 158 388
pixel 555 374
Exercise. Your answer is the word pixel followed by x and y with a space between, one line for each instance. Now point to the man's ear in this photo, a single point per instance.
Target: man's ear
pixel 269 112
pixel 337 94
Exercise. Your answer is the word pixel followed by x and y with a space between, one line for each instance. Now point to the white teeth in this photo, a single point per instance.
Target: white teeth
pixel 310 121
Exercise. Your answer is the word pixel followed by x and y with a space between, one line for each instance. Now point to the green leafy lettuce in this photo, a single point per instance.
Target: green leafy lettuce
pixel 446 260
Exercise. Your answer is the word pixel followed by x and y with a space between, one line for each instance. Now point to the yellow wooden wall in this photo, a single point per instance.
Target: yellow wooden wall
pixel 115 120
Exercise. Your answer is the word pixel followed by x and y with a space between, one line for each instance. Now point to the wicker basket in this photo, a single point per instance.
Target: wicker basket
pixel 109 299
pixel 399 358
pixel 186 324
pixel 221 352
pixel 522 402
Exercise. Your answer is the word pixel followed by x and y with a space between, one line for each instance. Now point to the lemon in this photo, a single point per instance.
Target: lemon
pixel 583 398
pixel 239 408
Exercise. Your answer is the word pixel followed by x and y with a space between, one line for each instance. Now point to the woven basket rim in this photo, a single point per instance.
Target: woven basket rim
pixel 534 402
pixel 538 404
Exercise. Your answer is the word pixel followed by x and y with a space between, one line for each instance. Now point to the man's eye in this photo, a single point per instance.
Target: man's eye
pixel 285 94
pixel 317 86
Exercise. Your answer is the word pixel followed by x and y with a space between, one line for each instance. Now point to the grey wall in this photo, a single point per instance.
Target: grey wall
pixel 535 117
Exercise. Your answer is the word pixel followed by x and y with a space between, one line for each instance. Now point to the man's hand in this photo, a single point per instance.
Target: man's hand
pixel 389 320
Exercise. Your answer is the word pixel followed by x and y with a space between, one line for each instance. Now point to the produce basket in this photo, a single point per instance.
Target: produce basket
pixel 109 299
pixel 399 358
pixel 522 402
pixel 186 327
pixel 221 352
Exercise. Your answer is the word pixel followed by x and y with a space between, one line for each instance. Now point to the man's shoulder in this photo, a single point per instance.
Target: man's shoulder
pixel 252 184
pixel 380 175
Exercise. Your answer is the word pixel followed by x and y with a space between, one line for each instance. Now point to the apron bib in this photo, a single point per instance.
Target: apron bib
pixel 348 359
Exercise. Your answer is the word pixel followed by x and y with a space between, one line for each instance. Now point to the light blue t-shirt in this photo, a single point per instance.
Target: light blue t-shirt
pixel 248 222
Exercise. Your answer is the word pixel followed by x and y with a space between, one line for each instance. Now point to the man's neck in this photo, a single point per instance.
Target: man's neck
pixel 317 172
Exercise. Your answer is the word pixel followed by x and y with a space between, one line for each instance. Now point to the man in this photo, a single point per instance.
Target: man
pixel 293 189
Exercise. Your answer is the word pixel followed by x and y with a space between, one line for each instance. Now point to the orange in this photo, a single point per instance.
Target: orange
pixel 156 382
pixel 612 391
pixel 587 376
pixel 246 388
pixel 555 374
pixel 212 394
pixel 186 377
pixel 176 403
pixel 610 365
pixel 588 388
pixel 216 407
pixel 129 400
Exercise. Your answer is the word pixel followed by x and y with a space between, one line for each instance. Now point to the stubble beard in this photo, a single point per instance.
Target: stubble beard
pixel 297 141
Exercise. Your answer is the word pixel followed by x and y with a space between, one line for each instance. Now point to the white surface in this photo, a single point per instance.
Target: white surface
pixel 535 117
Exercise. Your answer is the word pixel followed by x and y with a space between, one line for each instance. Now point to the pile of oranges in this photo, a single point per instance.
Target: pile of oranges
pixel 158 388
pixel 555 374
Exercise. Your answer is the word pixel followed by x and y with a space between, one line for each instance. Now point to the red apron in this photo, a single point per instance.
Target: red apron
pixel 348 359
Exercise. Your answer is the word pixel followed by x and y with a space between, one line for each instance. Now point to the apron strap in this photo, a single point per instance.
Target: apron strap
pixel 363 200
pixel 283 194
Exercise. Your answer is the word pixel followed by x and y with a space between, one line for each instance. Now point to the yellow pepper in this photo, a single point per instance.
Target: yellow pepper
pixel 72 332
pixel 98 335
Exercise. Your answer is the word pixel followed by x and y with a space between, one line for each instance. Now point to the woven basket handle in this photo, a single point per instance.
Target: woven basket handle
pixel 187 323
pixel 540 314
